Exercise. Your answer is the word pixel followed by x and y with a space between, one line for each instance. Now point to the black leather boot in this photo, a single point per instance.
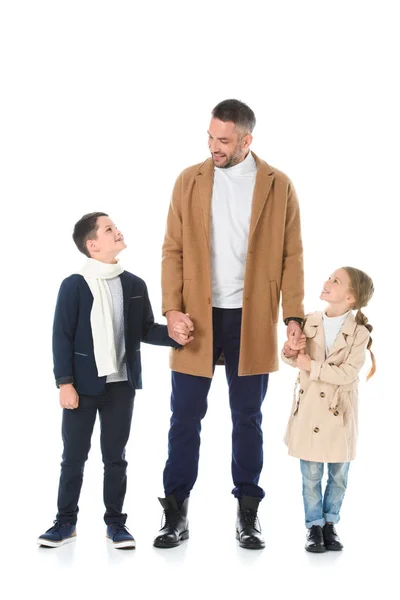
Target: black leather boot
pixel 331 538
pixel 176 525
pixel 315 539
pixel 248 529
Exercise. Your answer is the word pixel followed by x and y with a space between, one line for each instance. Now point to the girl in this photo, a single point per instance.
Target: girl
pixel 323 424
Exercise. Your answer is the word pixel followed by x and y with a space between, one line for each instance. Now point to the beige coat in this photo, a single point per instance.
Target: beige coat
pixel 274 265
pixel 323 424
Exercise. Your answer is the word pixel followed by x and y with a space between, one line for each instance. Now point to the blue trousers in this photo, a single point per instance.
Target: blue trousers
pixel 189 406
pixel 115 408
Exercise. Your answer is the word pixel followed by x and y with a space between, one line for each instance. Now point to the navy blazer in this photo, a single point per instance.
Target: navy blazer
pixel 73 352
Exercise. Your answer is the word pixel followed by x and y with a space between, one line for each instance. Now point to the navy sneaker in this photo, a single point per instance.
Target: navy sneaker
pixel 58 535
pixel 119 536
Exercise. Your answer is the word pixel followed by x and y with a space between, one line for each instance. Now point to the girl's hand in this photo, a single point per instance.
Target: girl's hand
pixel 300 345
pixel 288 352
pixel 303 362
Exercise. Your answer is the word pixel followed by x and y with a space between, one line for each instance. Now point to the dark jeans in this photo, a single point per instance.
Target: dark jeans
pixel 189 406
pixel 115 408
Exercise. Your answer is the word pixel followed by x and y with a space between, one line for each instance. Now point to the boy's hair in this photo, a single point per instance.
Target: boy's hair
pixel 236 111
pixel 86 229
pixel 363 289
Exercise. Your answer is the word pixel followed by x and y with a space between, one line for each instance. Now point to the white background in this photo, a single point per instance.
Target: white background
pixel 102 105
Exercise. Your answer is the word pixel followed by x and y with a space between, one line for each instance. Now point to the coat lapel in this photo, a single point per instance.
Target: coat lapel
pixel 264 179
pixel 126 292
pixel 342 340
pixel 314 329
pixel 205 180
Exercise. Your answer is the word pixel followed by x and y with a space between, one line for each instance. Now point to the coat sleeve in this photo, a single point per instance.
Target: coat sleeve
pixel 172 254
pixel 154 333
pixel 348 371
pixel 289 361
pixel 292 285
pixel 64 327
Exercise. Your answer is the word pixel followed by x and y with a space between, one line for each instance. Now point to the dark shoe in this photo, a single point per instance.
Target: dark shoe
pixel 58 535
pixel 176 524
pixel 119 536
pixel 315 539
pixel 248 529
pixel 331 538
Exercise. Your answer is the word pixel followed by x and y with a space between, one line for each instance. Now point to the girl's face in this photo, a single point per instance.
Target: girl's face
pixel 336 289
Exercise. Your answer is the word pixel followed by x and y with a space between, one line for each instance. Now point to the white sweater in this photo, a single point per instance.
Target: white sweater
pixel 332 327
pixel 230 222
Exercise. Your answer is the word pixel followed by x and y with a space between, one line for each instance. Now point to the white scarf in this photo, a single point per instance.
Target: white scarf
pixel 101 317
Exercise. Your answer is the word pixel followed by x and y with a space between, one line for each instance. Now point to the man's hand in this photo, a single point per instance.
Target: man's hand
pixel 180 327
pixel 303 362
pixel 69 397
pixel 294 333
pixel 293 329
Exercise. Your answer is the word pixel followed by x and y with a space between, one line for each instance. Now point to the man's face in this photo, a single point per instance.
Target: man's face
pixel 109 240
pixel 227 145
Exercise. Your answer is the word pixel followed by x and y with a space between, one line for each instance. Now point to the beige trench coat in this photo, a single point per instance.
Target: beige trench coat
pixel 274 266
pixel 323 424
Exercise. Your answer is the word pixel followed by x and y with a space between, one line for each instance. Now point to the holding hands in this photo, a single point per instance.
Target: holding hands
pixel 295 346
pixel 180 327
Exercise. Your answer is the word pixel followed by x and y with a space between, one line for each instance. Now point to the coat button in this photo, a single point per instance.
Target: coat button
pixel 209 300
pixel 316 429
pixel 301 391
pixel 322 394
pixel 336 413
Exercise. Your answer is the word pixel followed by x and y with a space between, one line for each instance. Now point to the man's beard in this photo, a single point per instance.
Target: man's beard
pixel 233 159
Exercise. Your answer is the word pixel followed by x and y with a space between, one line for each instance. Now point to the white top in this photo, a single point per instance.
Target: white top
pixel 230 222
pixel 117 296
pixel 332 326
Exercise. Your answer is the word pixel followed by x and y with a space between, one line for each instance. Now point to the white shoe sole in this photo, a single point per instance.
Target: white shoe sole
pixel 126 544
pixel 50 544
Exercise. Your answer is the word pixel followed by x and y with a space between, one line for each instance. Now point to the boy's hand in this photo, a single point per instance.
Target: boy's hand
pixel 184 333
pixel 178 319
pixel 69 397
pixel 303 362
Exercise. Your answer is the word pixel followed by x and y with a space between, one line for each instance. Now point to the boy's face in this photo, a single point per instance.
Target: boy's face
pixel 109 241
pixel 336 290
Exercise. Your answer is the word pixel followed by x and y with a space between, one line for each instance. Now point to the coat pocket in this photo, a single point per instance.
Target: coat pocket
pixel 274 301
pixel 296 396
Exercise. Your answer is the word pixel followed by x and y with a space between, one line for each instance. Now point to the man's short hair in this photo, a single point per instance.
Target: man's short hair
pixel 237 112
pixel 86 229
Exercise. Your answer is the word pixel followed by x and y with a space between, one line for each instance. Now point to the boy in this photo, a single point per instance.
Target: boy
pixel 101 316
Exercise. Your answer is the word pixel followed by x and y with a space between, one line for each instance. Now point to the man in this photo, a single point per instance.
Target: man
pixel 232 247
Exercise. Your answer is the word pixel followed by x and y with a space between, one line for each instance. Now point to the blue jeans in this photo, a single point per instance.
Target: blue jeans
pixel 189 407
pixel 320 510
